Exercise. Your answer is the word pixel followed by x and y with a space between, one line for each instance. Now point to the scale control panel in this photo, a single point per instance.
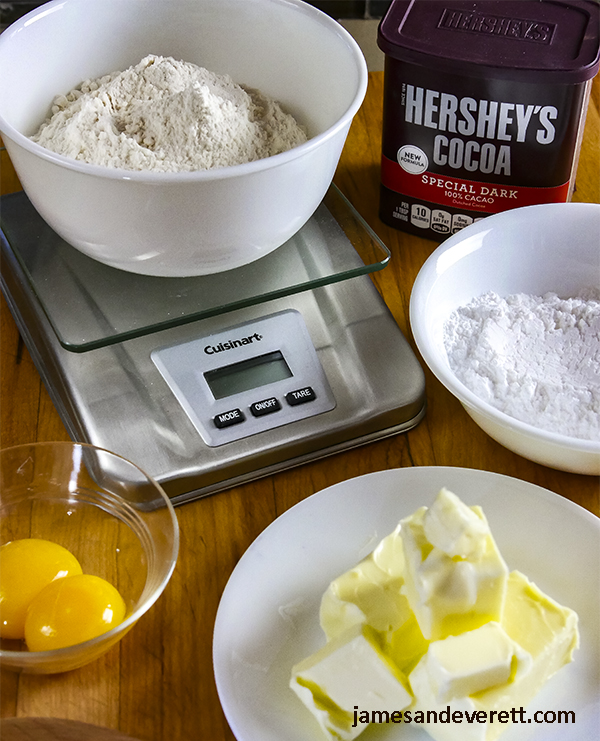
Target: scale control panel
pixel 248 378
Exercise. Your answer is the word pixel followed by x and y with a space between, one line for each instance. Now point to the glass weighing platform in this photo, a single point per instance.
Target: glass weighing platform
pixel 211 381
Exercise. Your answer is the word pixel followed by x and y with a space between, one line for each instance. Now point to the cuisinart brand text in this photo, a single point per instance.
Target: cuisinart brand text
pixel 232 344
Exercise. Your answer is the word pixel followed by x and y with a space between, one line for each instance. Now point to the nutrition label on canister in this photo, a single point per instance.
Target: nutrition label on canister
pixel 425 217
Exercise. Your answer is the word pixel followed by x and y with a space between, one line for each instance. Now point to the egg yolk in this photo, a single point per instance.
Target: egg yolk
pixel 26 567
pixel 72 610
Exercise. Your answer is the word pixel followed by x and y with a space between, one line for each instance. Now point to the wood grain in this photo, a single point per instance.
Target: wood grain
pixel 157 684
pixel 56 729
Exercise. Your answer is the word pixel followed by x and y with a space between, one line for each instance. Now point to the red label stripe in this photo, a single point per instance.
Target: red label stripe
pixel 473 195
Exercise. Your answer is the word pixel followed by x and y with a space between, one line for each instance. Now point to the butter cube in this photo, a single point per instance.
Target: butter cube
pixel 456 582
pixel 472 662
pixel 453 527
pixel 544 628
pixel 349 671
pixel 546 635
pixel 369 592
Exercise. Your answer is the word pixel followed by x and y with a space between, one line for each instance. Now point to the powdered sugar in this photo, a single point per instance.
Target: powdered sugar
pixel 536 358
pixel 165 115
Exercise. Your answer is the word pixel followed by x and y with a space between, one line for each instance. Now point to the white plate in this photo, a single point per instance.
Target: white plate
pixel 268 615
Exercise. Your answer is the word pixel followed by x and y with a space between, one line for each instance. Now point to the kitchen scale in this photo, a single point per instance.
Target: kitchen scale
pixel 211 381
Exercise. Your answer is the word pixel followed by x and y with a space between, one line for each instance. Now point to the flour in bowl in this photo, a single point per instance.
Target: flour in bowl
pixel 165 115
pixel 536 358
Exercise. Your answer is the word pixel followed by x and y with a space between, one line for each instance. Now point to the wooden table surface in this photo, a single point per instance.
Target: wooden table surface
pixel 157 684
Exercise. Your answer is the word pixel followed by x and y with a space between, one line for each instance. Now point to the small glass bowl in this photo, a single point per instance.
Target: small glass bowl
pixel 114 518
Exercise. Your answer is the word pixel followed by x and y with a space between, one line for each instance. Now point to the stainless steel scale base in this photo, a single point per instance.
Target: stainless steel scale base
pixel 114 396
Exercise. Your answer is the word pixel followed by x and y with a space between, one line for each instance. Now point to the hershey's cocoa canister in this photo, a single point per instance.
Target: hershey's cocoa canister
pixel 484 107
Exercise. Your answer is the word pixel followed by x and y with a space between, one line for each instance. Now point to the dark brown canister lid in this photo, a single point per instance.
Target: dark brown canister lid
pixel 527 40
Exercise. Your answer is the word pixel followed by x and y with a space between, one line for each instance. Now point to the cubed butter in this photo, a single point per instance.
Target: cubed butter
pixel 546 635
pixel 432 623
pixel 369 592
pixel 474 661
pixel 458 582
pixel 544 628
pixel 350 670
pixel 453 527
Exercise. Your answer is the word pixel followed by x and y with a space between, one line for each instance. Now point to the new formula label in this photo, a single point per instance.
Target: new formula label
pixel 467 131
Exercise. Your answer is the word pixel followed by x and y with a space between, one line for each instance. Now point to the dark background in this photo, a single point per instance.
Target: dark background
pixel 339 9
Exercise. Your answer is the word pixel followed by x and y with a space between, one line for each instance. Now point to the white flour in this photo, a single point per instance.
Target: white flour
pixel 534 358
pixel 167 116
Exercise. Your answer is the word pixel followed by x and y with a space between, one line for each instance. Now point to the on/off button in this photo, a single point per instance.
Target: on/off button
pixel 300 396
pixel 266 406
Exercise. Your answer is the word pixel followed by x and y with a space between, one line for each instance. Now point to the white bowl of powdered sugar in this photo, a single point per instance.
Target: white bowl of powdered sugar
pixel 179 137
pixel 506 314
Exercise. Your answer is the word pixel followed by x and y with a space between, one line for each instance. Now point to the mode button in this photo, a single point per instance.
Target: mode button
pixel 232 417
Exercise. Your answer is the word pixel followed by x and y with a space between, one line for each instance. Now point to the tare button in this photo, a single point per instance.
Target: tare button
pixel 226 419
pixel 300 396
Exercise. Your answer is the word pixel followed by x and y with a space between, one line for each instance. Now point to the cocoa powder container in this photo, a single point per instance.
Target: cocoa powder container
pixel 484 107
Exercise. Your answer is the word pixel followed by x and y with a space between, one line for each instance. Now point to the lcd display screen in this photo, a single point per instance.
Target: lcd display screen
pixel 247 374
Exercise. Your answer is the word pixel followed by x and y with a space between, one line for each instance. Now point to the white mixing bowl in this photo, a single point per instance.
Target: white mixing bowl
pixel 532 250
pixel 190 223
